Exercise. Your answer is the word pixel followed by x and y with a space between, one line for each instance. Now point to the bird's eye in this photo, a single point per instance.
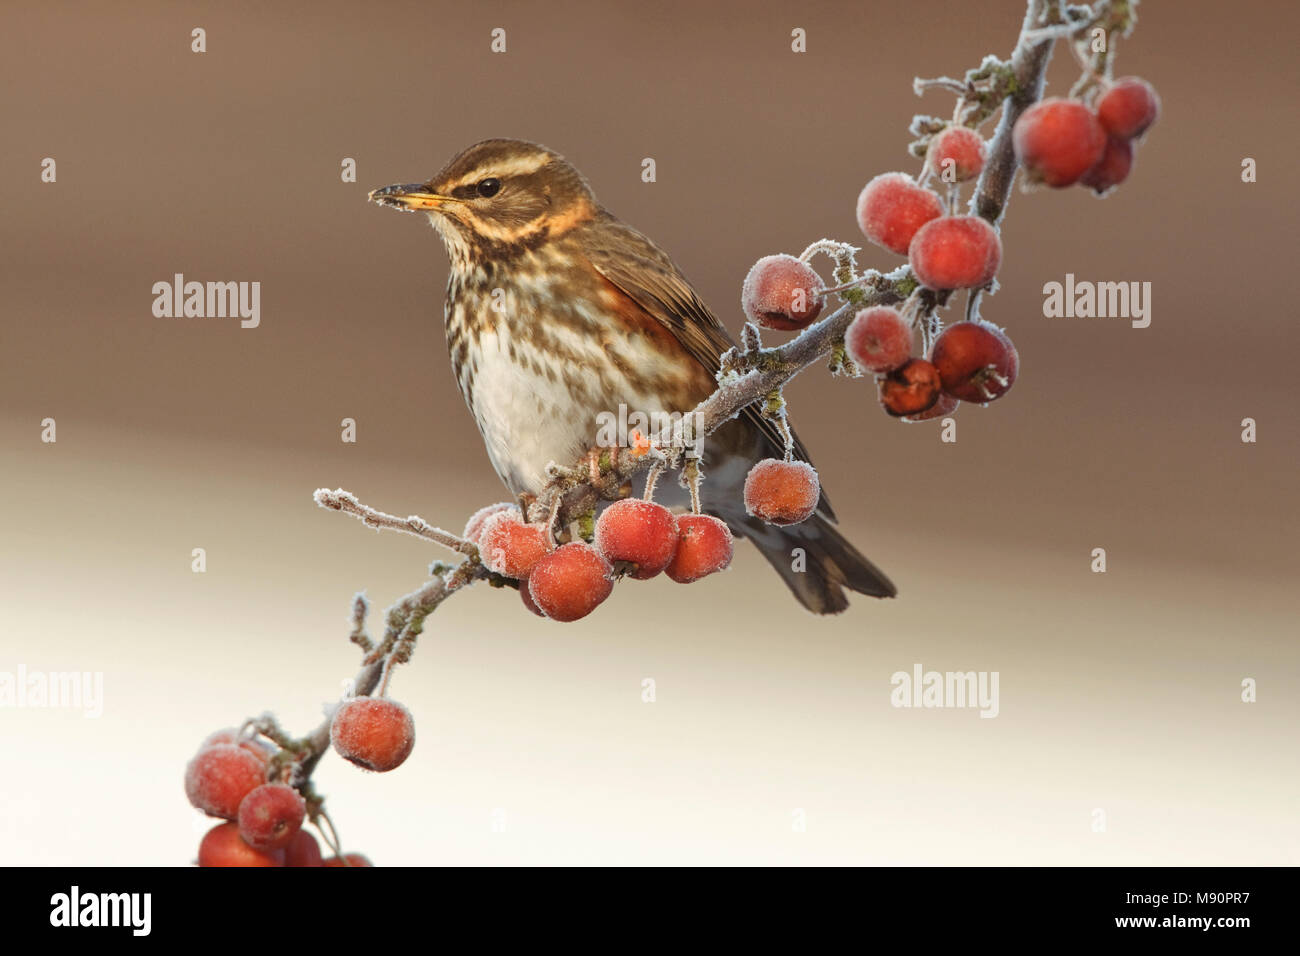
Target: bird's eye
pixel 488 188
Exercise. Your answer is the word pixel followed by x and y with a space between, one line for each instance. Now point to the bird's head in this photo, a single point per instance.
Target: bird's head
pixel 498 195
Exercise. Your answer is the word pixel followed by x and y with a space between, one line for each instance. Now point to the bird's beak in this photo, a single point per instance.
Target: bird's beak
pixel 411 197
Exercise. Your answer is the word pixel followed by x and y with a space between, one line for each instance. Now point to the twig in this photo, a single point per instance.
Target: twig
pixel 340 500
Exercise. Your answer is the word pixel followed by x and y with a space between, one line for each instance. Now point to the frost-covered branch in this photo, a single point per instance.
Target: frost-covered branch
pixel 749 374
pixel 340 500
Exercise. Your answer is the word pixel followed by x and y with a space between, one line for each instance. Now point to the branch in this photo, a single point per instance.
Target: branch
pixel 405 621
pixel 748 375
pixel 347 502
pixel 1028 66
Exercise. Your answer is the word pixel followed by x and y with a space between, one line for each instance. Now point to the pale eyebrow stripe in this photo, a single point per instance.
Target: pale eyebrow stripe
pixel 519 166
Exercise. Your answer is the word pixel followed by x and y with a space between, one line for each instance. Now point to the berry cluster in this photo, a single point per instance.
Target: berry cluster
pixel 238 779
pixel 634 537
pixel 1061 142
pixel 972 361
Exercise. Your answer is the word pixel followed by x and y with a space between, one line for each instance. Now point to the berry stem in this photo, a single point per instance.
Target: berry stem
pixel 691 473
pixel 652 477
pixel 551 521
pixel 384 677
pixel 332 837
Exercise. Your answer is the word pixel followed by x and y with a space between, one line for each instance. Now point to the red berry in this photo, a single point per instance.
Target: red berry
pixel 976 361
pixel 782 492
pixel 780 292
pixel 892 207
pixel 509 546
pixel 911 389
pixel 571 581
pixel 223 846
pixel 527 597
pixel 220 776
pixel 474 527
pixel 878 339
pixel 270 816
pixel 1112 169
pixel 258 748
pixel 955 252
pixel 1128 108
pixel 375 733
pixel 1058 141
pixel 944 405
pixel 348 859
pixel 956 154
pixel 638 531
pixel 704 545
pixel 303 850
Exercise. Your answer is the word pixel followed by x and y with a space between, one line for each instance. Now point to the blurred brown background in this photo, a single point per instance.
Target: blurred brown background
pixel 1118 691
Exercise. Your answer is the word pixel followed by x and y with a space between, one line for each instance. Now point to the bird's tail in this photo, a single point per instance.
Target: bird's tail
pixel 816 562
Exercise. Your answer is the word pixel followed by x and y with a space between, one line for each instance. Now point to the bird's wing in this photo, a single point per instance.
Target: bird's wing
pixel 645 274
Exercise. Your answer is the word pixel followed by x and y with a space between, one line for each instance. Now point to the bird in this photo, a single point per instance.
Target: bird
pixel 556 311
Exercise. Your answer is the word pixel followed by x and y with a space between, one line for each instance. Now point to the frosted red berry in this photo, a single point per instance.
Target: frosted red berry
pixel 955 252
pixel 220 776
pixel 223 846
pixel 878 339
pixel 303 850
pixel 230 735
pixel 571 581
pixel 375 733
pixel 474 527
pixel 956 154
pixel 1058 141
pixel 1112 169
pixel 910 389
pixel 638 531
pixel 782 492
pixel 780 293
pixel 704 546
pixel 270 816
pixel 510 547
pixel 1128 108
pixel 945 404
pixel 892 207
pixel 976 361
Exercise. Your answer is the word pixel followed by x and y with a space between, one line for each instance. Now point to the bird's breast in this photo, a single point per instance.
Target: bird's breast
pixel 543 345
